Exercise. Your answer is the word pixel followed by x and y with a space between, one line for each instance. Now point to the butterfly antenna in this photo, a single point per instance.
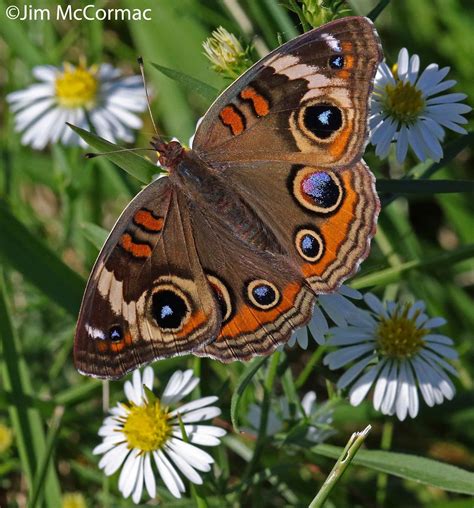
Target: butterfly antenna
pixel 142 70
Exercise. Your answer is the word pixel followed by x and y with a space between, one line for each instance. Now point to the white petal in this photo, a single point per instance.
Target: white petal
pixel 318 326
pixel 435 322
pixel 333 307
pixel 413 69
pixel 402 64
pixel 423 381
pixel 433 147
pixel 337 359
pixel 149 476
pixel 350 335
pixel 191 474
pixel 440 339
pixel 402 400
pixel 23 98
pixel 168 474
pixel 349 292
pixel 302 337
pixel 417 143
pixel 429 355
pixel 375 304
pixel 347 378
pixel 363 385
pixel 129 474
pixel 440 87
pixel 138 488
pixel 430 77
pixel 148 377
pixel 113 459
pixel 195 404
pixel 198 439
pixel 447 98
pixel 125 117
pixel 33 113
pixel 45 72
pixel 197 458
pixel 413 404
pixel 308 402
pixel 402 144
pixel 391 389
pixel 199 415
pixel 381 386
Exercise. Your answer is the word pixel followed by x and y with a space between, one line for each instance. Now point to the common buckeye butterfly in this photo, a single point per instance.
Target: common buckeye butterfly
pixel 273 205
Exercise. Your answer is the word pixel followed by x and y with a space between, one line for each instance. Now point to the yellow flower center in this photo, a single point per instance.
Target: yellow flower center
pixel 147 426
pixel 398 337
pixel 76 86
pixel 73 500
pixel 403 101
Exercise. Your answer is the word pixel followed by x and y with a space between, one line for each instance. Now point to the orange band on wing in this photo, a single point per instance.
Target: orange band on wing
pixel 233 118
pixel 148 221
pixel 335 229
pixel 337 147
pixel 138 250
pixel 249 319
pixel 259 103
pixel 196 320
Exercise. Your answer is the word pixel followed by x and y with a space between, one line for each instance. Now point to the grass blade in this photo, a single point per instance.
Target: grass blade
pixel 192 84
pixel 25 419
pixel 25 252
pixel 421 187
pixel 131 162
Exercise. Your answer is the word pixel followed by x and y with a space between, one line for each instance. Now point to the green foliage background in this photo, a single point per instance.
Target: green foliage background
pixel 51 200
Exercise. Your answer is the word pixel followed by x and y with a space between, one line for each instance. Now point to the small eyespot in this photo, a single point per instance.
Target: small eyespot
pixel 115 333
pixel 336 62
pixel 168 309
pixel 263 294
pixel 322 120
pixel 309 244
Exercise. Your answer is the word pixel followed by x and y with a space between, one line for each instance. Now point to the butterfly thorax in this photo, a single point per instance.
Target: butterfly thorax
pixel 170 154
pixel 208 192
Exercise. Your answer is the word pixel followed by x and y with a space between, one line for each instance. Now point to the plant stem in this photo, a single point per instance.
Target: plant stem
pixel 382 478
pixel 352 446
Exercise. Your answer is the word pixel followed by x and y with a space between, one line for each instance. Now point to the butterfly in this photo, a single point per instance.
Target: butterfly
pixel 225 256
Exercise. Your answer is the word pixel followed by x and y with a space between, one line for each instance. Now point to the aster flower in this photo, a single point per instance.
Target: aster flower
pixel 317 417
pixel 335 306
pixel 147 428
pixel 394 349
pixel 79 95
pixel 408 109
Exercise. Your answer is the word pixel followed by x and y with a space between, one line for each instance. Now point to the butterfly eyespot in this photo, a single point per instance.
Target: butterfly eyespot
pixel 316 190
pixel 336 62
pixel 322 120
pixel 309 244
pixel 168 309
pixel 222 296
pixel 263 294
pixel 115 333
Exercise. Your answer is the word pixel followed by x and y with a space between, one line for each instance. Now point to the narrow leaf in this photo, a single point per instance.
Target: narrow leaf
pixel 410 467
pixel 25 252
pixel 95 234
pixel 190 83
pixel 377 10
pixel 424 186
pixel 131 162
pixel 242 383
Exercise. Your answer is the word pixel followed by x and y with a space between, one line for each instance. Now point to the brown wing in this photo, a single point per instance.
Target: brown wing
pixel 306 102
pixel 147 296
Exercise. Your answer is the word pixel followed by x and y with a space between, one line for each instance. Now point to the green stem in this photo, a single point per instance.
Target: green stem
pixel 308 368
pixel 352 447
pixel 262 431
pixel 382 478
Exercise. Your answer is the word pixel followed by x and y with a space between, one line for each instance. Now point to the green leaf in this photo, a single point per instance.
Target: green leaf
pixel 383 277
pixel 38 263
pixel 25 419
pixel 242 383
pixel 424 186
pixel 377 10
pixel 188 82
pixel 131 162
pixel 95 234
pixel 411 467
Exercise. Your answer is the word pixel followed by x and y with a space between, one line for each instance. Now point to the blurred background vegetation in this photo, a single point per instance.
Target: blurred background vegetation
pixel 49 201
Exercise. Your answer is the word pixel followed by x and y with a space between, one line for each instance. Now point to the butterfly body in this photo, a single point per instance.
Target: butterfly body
pixel 273 205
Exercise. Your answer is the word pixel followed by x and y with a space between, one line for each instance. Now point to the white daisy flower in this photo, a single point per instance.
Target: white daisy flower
pixel 393 349
pixel 147 430
pixel 79 95
pixel 335 306
pixel 318 417
pixel 409 110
